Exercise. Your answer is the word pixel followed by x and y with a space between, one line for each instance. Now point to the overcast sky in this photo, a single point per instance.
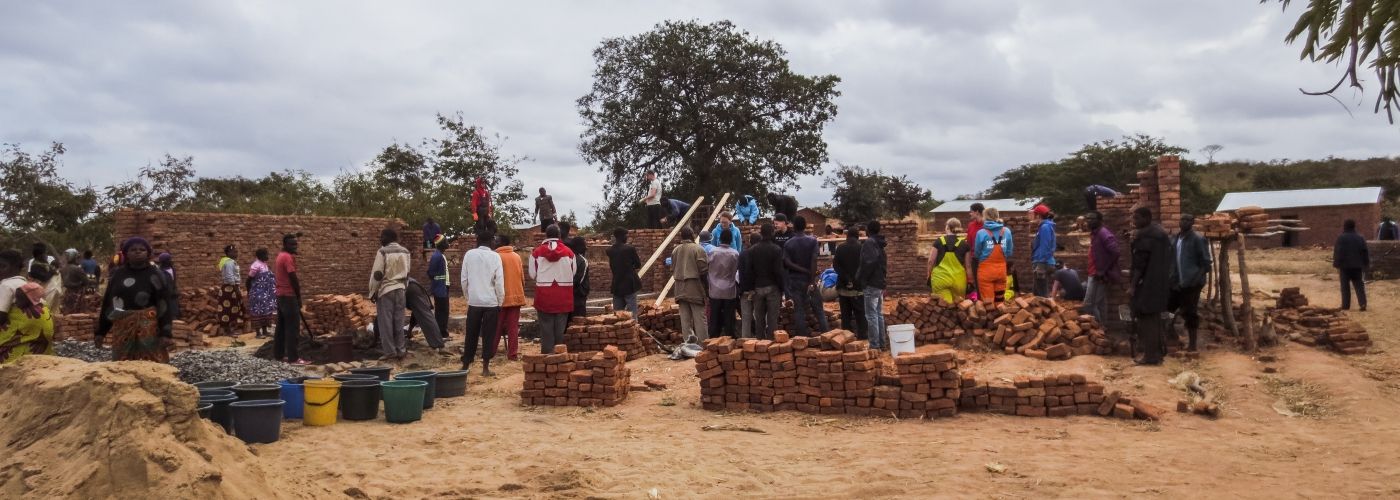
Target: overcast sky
pixel 951 93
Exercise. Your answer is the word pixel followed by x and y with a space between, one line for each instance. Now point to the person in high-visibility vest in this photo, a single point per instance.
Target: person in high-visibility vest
pixel 947 277
pixel 993 248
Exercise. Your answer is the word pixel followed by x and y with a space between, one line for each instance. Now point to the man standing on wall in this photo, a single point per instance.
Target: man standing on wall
pixel 624 263
pixel 431 231
pixel 481 208
pixel 544 209
pixel 287 336
pixel 1103 266
pixel 387 281
pixel 439 282
pixel 1150 285
pixel 508 322
pixel 783 204
pixel 1043 249
pixel 484 283
pixel 652 199
pixel 871 275
pixel 690 268
pixel 552 268
pixel 801 262
pixel 1192 257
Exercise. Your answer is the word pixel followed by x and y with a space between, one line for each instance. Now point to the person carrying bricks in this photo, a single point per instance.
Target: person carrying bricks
pixel 552 268
pixel 994 247
pixel 690 268
pixel 388 280
pixel 1102 266
pixel 1150 285
pixel 483 282
pixel 1042 250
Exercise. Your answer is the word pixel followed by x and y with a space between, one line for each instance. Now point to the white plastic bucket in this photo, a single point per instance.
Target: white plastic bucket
pixel 901 338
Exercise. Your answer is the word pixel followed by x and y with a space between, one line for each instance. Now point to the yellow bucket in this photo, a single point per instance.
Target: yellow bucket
pixel 321 402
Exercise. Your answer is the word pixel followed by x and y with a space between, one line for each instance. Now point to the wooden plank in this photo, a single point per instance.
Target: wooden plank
pixel 1251 343
pixel 667 241
pixel 661 297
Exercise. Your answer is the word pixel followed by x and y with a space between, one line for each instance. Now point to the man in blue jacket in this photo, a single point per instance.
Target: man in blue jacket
pixel 746 210
pixel 726 225
pixel 437 277
pixel 1043 250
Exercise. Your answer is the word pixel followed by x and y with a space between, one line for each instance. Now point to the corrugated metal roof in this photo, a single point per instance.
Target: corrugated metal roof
pixel 1300 198
pixel 1004 205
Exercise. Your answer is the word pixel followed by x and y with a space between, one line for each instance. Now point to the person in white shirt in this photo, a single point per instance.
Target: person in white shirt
pixel 653 200
pixel 484 283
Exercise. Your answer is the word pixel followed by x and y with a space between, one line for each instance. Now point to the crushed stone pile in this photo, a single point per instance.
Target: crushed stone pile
pixel 121 430
pixel 76 349
pixel 230 365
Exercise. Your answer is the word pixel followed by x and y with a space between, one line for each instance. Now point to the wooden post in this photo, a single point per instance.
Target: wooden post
pixel 1227 306
pixel 667 241
pixel 661 297
pixel 1251 343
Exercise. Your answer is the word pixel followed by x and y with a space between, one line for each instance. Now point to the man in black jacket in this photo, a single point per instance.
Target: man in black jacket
pixel 846 262
pixel 1351 258
pixel 783 204
pixel 624 263
pixel 1191 256
pixel 765 264
pixel 746 289
pixel 871 276
pixel 1151 285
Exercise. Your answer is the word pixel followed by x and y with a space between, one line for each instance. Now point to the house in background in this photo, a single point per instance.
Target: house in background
pixel 1322 211
pixel 959 208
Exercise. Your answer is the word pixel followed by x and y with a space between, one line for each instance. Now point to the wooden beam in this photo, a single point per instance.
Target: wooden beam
pixel 1227 304
pixel 667 241
pixel 1251 343
pixel 661 297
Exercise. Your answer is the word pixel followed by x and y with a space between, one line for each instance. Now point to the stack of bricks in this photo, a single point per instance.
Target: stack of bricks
pixel 1037 327
pixel 1053 395
pixel 749 374
pixel 586 379
pixel 1252 220
pixel 597 333
pixel 335 314
pixel 929 384
pixel 335 255
pixel 936 320
pixel 836 375
pixel 82 327
pixel 661 321
pixel 1322 327
pixel 1291 298
pixel 1219 226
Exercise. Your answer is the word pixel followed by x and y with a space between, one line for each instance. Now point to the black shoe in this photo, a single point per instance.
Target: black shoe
pixel 1363 308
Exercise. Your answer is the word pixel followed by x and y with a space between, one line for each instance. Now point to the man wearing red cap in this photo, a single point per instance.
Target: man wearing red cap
pixel 1043 249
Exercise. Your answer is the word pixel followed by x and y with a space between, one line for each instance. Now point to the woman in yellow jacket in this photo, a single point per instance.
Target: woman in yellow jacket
pixel 947 278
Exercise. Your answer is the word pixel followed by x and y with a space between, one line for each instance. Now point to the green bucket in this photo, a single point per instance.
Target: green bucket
pixel 403 400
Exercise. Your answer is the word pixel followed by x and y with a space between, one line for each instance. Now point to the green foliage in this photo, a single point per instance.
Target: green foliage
pixel 707 106
pixel 862 194
pixel 1329 172
pixel 1113 163
pixel 1353 33
pixel 168 186
pixel 37 205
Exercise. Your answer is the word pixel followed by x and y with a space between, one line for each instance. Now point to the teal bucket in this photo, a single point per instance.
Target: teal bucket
pixel 403 400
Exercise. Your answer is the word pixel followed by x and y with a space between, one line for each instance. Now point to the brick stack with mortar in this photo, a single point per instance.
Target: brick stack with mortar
pixel 596 333
pixel 586 379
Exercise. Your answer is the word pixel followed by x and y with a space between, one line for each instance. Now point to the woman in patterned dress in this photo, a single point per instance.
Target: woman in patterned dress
pixel 262 296
pixel 138 309
pixel 230 294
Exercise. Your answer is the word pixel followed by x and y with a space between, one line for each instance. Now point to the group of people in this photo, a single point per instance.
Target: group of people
pixel 33 291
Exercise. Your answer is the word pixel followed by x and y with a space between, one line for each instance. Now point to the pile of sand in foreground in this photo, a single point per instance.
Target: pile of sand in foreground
pixel 118 430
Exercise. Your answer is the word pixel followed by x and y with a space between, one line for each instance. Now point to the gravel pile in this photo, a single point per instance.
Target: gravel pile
pixel 231 365
pixel 85 351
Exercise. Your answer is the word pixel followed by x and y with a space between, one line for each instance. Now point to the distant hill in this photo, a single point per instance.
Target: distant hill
pixel 1224 177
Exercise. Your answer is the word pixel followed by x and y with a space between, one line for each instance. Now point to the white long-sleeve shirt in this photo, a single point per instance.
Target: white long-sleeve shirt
pixel 483 278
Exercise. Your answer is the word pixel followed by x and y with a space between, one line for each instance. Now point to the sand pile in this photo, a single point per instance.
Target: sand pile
pixel 119 430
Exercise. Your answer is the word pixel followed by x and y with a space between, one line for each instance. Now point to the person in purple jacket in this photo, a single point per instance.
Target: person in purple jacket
pixel 1103 266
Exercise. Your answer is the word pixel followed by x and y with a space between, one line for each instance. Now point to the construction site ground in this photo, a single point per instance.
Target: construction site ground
pixel 1341 444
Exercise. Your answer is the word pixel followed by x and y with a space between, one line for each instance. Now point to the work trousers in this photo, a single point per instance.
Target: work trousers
pixel 508 327
pixel 421 313
pixel 875 316
pixel 746 314
pixel 1150 338
pixel 693 321
pixel 1185 302
pixel 805 300
pixel 551 328
pixel 626 303
pixel 481 329
pixel 721 318
pixel 1096 298
pixel 654 216
pixel 442 313
pixel 1040 274
pixel 389 322
pixel 853 314
pixel 1353 278
pixel 767 303
pixel 287 337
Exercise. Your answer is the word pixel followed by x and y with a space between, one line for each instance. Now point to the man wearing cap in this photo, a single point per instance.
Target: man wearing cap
pixel 439 282
pixel 1043 250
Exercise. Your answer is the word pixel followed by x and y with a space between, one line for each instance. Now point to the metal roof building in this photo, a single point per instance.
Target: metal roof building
pixel 1298 198
pixel 1321 210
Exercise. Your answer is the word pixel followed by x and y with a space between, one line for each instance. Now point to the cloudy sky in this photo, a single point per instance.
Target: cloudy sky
pixel 951 93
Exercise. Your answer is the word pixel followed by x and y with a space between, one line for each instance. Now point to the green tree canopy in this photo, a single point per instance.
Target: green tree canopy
pixel 1354 33
pixel 709 107
pixel 862 194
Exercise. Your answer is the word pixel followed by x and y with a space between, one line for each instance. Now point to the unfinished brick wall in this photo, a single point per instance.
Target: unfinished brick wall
pixel 335 255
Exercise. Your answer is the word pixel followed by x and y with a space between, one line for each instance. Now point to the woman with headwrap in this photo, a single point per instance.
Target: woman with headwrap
pixel 262 293
pixel 230 295
pixel 26 326
pixel 138 308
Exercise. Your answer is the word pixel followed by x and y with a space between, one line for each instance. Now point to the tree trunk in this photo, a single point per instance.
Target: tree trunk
pixel 1227 307
pixel 1251 343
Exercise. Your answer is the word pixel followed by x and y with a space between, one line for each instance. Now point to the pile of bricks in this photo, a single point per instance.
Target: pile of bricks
pixel 1291 298
pixel 335 314
pixel 576 379
pixel 936 320
pixel 1219 225
pixel 749 374
pixel 1252 220
pixel 1322 327
pixel 1050 396
pixel 929 384
pixel 81 327
pixel 596 333
pixel 1039 328
pixel 835 375
pixel 659 319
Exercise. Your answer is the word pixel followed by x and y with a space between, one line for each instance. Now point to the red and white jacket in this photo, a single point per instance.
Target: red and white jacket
pixel 552 268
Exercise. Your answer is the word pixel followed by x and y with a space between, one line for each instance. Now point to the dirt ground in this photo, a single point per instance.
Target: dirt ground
pixel 486 445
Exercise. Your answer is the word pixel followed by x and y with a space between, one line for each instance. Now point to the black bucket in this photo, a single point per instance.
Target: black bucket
pixel 250 392
pixel 359 399
pixel 340 348
pixel 219 412
pixel 205 410
pixel 428 376
pixel 257 420
pixel 451 384
pixel 380 372
pixel 346 377
pixel 215 392
pixel 215 384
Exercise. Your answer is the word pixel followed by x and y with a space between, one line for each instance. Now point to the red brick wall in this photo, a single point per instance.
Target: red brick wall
pixel 335 255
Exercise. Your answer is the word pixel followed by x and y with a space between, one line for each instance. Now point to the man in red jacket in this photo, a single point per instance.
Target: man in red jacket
pixel 552 267
pixel 481 207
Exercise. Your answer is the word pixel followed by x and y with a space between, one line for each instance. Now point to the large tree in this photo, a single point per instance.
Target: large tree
pixel 862 194
pixel 709 107
pixel 1354 33
pixel 39 205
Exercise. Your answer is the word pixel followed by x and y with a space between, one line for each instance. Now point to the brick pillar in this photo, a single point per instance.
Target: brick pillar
pixel 1169 192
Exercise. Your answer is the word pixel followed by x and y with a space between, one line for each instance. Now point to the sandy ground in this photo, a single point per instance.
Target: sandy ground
pixel 486 445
